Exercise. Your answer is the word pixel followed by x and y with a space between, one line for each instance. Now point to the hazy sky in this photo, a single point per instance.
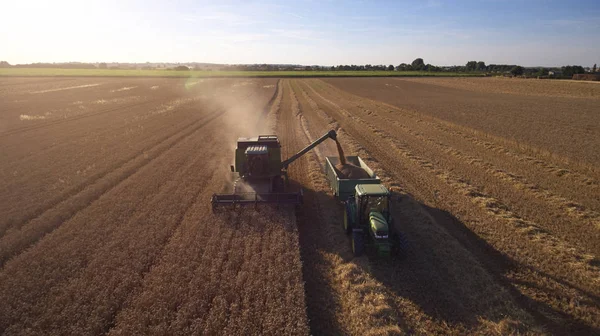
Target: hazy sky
pixel 526 32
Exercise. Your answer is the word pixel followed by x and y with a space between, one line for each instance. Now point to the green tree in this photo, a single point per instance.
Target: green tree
pixel 418 64
pixel 403 67
pixel 542 72
pixel 594 68
pixel 570 70
pixel 4 64
pixel 517 71
pixel 390 67
pixel 480 66
pixel 471 66
pixel 102 66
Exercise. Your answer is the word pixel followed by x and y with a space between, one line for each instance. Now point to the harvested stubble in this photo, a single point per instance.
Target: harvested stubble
pixel 505 203
pixel 130 246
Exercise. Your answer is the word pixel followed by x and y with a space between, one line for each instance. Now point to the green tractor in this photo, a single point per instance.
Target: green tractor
pixel 368 219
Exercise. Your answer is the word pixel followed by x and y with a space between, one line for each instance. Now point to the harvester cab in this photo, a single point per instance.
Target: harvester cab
pixel 259 173
pixel 367 217
pixel 259 159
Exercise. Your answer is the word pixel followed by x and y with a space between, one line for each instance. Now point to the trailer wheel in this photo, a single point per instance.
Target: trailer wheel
pixel 347 224
pixel 357 243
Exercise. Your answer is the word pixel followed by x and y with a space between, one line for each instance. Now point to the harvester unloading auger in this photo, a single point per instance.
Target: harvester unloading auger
pixel 259 173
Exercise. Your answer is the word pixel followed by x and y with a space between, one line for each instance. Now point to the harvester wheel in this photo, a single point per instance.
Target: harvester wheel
pixel 278 185
pixel 357 243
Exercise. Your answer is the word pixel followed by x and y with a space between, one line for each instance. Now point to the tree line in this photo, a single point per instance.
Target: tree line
pixel 416 65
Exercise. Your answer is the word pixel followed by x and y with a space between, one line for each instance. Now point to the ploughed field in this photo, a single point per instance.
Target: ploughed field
pixel 106 225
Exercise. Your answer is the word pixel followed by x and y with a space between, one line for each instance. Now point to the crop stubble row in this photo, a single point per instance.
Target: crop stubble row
pixel 382 297
pixel 422 164
pixel 484 216
pixel 94 272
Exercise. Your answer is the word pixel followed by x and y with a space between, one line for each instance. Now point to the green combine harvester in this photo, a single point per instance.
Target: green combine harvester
pixel 259 174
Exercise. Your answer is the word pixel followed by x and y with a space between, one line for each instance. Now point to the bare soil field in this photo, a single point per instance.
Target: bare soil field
pixel 519 86
pixel 106 225
pixel 560 126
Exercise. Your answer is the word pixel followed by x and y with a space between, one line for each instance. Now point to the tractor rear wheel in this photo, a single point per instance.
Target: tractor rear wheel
pixel 358 244
pixel 400 245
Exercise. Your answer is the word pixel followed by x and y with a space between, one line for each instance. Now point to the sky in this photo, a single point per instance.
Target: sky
pixel 319 32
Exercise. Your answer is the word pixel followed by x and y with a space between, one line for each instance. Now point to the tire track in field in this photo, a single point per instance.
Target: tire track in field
pixel 45 221
pixel 581 266
pixel 261 122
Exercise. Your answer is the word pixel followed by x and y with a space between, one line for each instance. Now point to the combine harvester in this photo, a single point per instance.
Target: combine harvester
pixel 259 174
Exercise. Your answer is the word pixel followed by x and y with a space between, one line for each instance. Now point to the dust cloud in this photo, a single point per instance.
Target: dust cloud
pixel 243 102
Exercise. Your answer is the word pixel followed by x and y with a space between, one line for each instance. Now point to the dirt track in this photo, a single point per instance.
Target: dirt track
pixel 107 227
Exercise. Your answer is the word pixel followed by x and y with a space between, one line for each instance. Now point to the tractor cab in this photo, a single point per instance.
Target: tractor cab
pixel 368 218
pixel 372 198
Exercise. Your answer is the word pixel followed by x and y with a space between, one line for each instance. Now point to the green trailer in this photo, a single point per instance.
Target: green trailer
pixel 367 216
